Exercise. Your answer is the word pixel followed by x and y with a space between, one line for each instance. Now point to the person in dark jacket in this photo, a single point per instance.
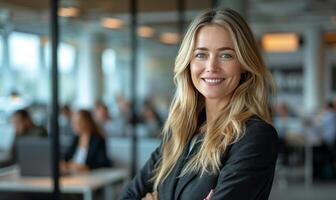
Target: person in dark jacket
pixel 88 148
pixel 24 125
pixel 218 141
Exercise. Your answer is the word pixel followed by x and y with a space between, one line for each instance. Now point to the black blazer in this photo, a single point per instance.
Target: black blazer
pixel 96 155
pixel 246 174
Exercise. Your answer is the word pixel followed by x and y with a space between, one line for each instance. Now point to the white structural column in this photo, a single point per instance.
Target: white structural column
pixel 8 75
pixel 43 74
pixel 89 71
pixel 5 49
pixel 313 71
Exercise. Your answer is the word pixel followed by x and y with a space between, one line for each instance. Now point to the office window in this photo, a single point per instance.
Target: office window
pixel 24 51
pixel 66 67
pixel 66 57
pixel 111 80
pixel 109 61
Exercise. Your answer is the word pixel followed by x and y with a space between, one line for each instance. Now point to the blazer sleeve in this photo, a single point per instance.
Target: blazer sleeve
pixel 71 149
pixel 97 155
pixel 249 169
pixel 141 184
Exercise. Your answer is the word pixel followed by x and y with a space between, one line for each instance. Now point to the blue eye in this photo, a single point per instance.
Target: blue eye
pixel 200 55
pixel 226 56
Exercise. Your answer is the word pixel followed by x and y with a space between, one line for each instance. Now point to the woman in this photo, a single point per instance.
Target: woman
pixel 218 142
pixel 88 148
pixel 150 120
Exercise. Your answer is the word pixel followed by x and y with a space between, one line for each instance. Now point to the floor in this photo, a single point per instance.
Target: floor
pixel 294 188
pixel 297 192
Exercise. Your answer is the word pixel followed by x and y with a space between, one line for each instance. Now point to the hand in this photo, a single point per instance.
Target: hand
pixel 77 168
pixel 63 166
pixel 151 196
pixel 209 195
pixel 72 167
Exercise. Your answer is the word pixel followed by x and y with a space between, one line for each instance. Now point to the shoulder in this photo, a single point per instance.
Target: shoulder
pixel 259 141
pixel 97 139
pixel 38 131
pixel 258 127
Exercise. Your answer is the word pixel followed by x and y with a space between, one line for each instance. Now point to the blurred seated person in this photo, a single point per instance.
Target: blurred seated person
pixel 290 132
pixel 124 107
pixel 66 130
pixel 150 120
pixel 327 125
pixel 124 114
pixel 325 152
pixel 65 120
pixel 110 127
pixel 24 125
pixel 88 148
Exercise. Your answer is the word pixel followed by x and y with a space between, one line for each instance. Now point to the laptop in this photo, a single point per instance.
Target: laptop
pixel 34 156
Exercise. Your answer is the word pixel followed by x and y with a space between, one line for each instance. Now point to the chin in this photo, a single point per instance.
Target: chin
pixel 211 96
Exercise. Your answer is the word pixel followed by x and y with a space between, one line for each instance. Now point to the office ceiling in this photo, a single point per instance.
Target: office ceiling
pixel 33 15
pixel 107 6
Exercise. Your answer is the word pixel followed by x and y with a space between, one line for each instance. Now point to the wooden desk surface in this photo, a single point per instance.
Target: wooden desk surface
pixel 77 183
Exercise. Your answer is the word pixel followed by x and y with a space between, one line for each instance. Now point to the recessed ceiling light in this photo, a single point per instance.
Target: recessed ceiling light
pixel 146 31
pixel 68 12
pixel 170 38
pixel 280 42
pixel 112 23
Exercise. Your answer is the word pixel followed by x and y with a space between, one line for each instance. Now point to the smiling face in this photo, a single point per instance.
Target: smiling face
pixel 214 66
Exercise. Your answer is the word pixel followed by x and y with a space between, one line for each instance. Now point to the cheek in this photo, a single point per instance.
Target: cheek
pixel 75 125
pixel 194 72
pixel 234 70
pixel 236 82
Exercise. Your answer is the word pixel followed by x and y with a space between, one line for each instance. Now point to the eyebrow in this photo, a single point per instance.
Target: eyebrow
pixel 220 49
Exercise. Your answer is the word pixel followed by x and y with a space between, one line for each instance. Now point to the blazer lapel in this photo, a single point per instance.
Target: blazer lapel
pixel 168 187
pixel 184 180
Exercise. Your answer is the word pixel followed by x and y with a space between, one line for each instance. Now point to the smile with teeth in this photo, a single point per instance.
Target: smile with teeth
pixel 213 80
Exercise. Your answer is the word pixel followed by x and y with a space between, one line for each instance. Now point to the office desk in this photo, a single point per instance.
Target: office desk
pixel 85 184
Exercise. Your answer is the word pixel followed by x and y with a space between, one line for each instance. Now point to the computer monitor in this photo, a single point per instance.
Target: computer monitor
pixel 34 156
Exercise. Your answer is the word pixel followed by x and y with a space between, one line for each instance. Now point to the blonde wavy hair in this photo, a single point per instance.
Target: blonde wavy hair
pixel 251 97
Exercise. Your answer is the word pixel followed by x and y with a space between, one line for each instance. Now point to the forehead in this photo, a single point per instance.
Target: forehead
pixel 17 117
pixel 213 36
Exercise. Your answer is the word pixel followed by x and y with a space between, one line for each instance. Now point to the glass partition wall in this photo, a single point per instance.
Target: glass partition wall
pixel 95 60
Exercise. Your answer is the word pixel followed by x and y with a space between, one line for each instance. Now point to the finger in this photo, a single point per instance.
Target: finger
pixel 147 197
pixel 155 195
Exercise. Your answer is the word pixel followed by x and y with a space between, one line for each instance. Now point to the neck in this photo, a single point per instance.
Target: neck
pixel 213 107
pixel 84 139
pixel 85 134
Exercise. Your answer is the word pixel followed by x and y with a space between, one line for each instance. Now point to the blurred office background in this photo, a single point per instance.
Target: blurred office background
pixel 297 40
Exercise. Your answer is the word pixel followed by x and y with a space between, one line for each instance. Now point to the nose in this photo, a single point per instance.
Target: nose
pixel 212 64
